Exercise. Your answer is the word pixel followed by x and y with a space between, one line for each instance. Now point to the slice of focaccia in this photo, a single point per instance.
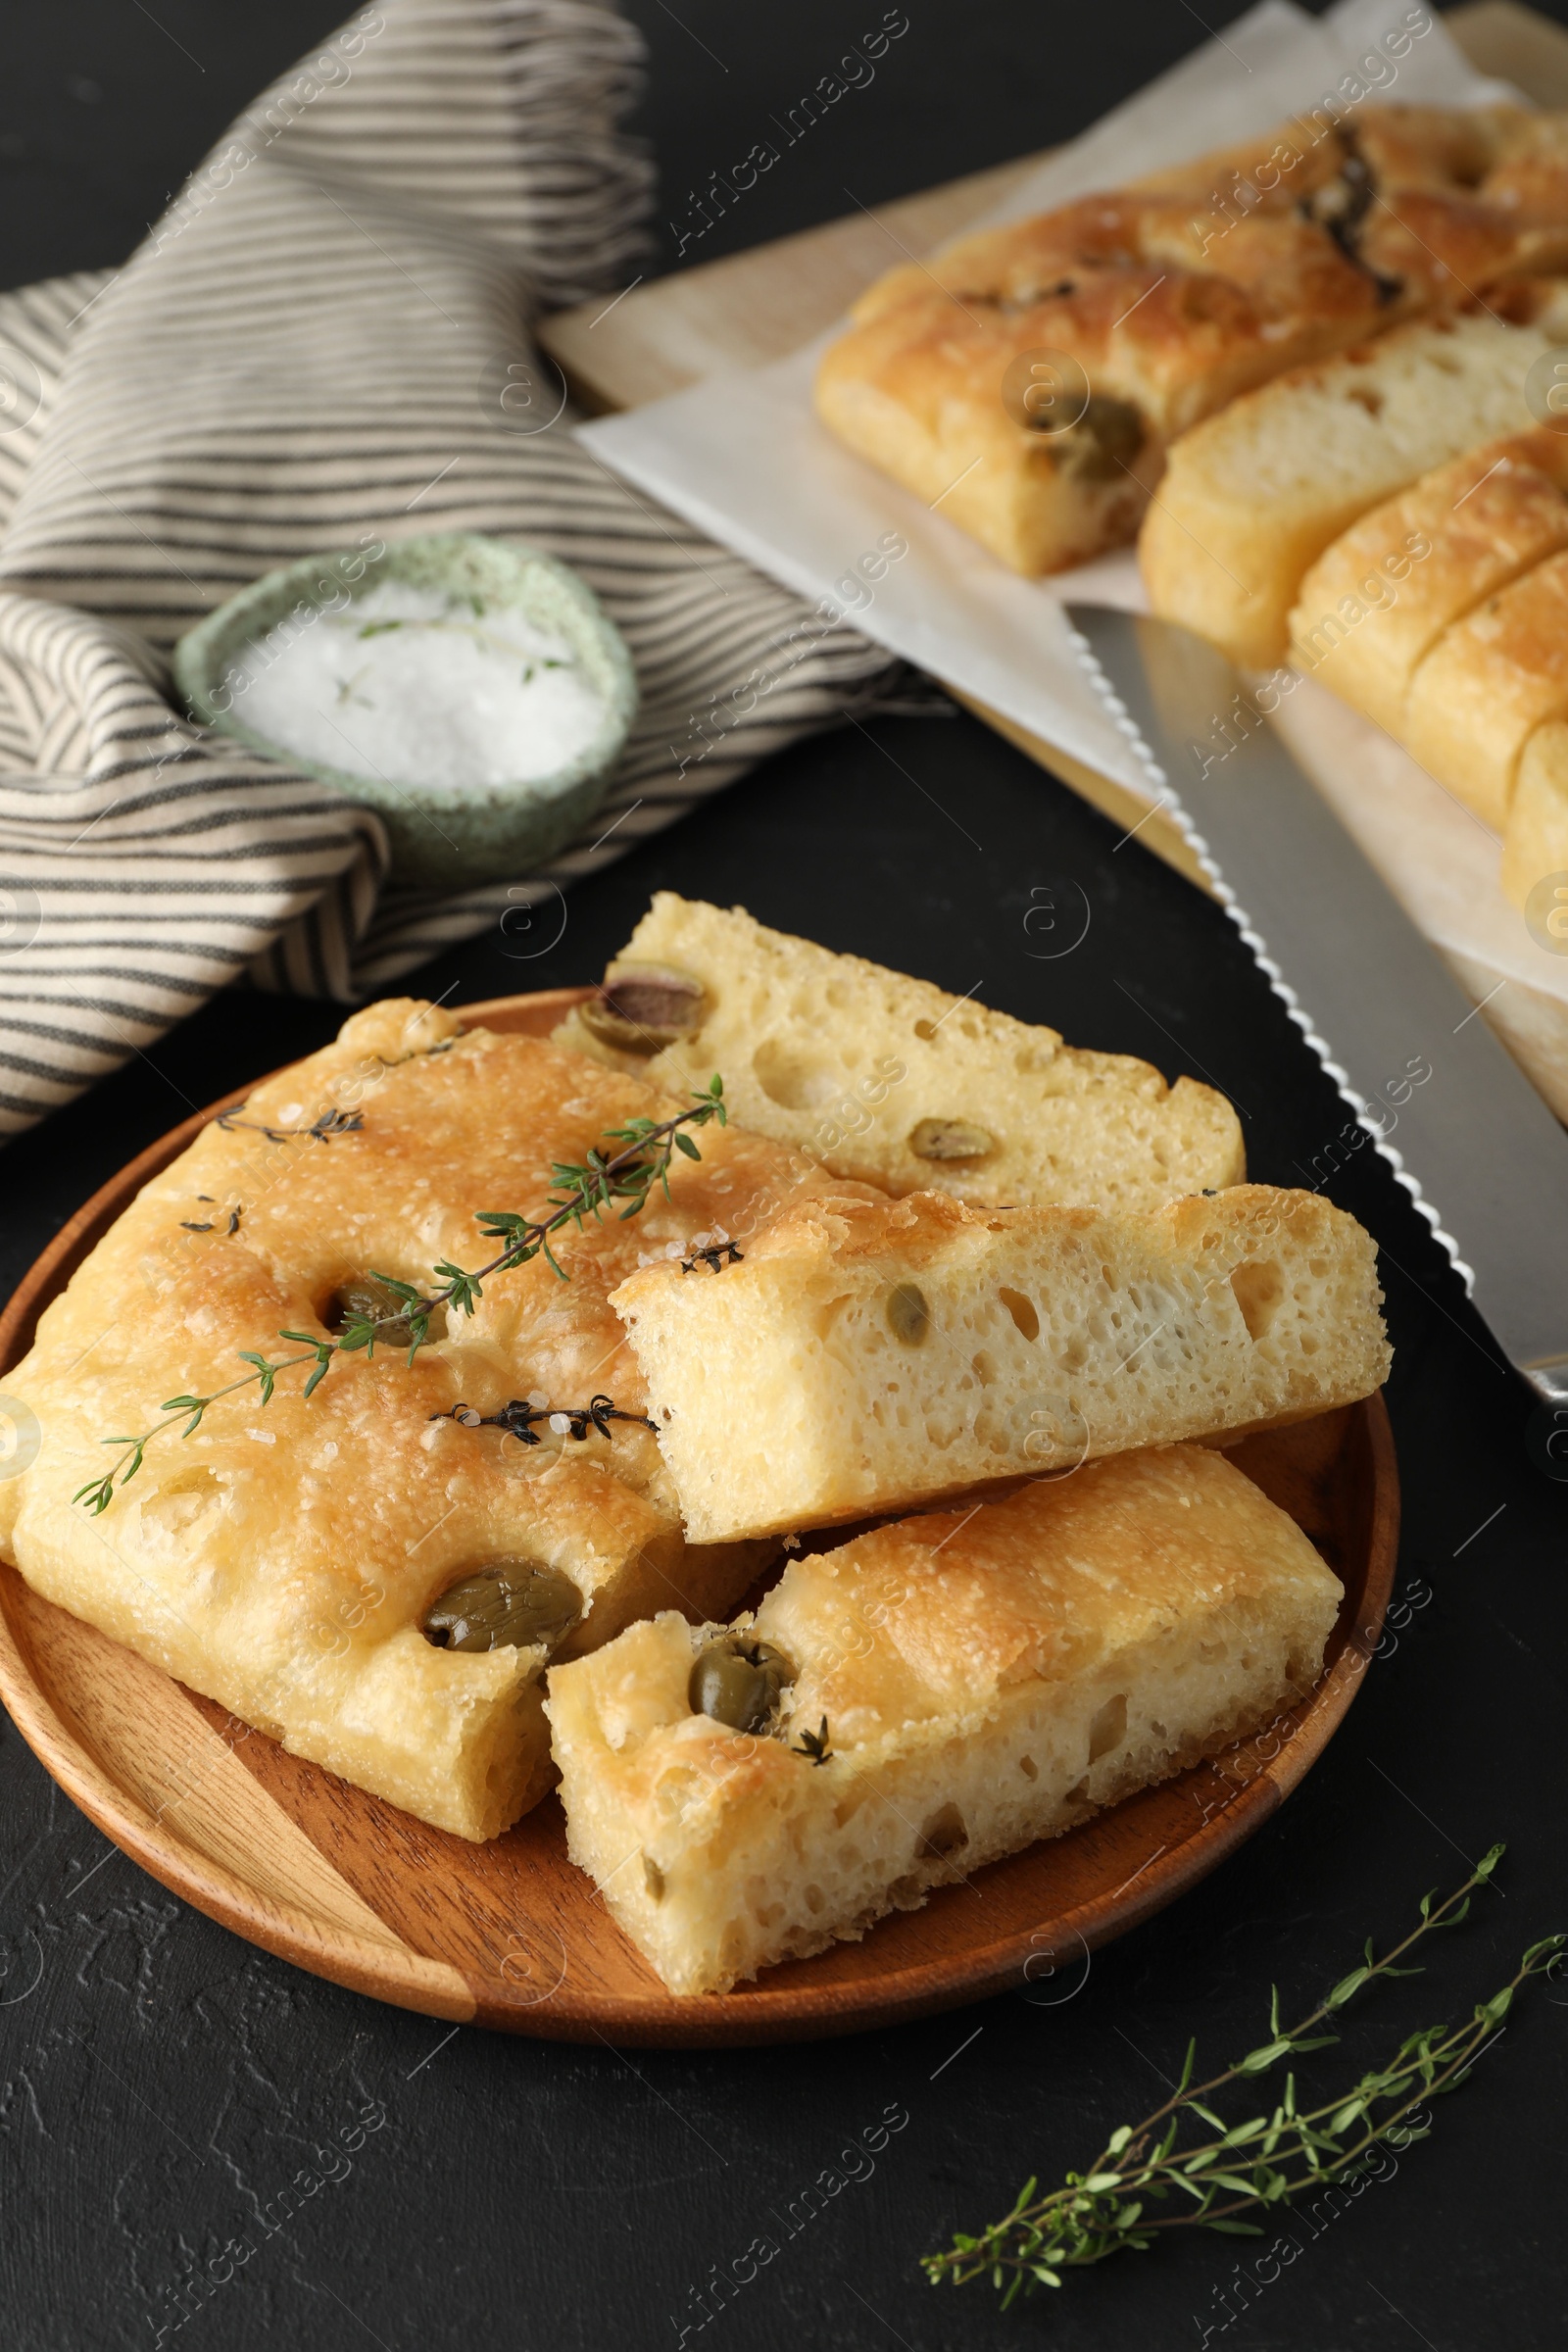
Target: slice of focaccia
pixel 890 1081
pixel 1379 601
pixel 1486 686
pixel 1535 841
pixel 1030 377
pixel 1253 497
pixel 974 1682
pixel 866 1357
pixel 286 1559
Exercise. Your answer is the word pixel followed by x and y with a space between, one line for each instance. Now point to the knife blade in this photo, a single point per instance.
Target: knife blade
pixel 1483 1157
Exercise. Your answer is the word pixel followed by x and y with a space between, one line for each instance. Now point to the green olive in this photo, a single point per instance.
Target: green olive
pixel 507 1604
pixel 1103 444
pixel 365 1296
pixel 643 1007
pixel 951 1139
pixel 909 1314
pixel 737 1681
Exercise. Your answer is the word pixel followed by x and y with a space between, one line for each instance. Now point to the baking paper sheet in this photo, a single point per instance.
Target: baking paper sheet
pixel 742 455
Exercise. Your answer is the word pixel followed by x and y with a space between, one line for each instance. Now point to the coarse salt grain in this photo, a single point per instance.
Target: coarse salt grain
pixel 419 688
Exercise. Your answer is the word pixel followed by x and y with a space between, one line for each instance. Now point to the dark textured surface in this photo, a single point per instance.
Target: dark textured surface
pixel 160 2084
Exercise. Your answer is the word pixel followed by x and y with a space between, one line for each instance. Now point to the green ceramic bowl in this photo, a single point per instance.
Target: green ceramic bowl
pixel 481 832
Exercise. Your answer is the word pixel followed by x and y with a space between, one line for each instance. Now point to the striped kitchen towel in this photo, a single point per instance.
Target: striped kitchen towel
pixel 308 352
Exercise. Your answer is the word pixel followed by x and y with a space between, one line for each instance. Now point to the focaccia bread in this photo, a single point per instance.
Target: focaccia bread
pixel 1251 498
pixel 890 1081
pixel 975 1680
pixel 868 1355
pixel 1464 658
pixel 1535 841
pixel 1170 297
pixel 1379 600
pixel 284 1557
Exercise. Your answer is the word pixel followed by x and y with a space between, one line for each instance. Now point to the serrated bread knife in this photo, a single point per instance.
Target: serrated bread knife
pixel 1483 1157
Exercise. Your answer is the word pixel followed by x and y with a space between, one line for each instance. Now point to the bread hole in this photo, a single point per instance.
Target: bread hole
pixel 1109 1729
pixel 1029 1768
pixel 926 1030
pixel 1259 1289
pixel 184 1500
pixel 944 1833
pixel 905 1893
pixel 794 1080
pixel 653 1879
pixel 1078 1793
pixel 367 1298
pixel 1023 1310
pixel 1368 397
pixel 815 1898
pixel 827 1314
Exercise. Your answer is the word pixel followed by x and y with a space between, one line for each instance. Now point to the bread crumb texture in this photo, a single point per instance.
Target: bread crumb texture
pixel 868 1355
pixel 894 1082
pixel 989 1677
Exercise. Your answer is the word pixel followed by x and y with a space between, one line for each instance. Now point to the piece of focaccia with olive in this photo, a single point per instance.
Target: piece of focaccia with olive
pixel 358 1573
pixel 890 1081
pixel 936 1693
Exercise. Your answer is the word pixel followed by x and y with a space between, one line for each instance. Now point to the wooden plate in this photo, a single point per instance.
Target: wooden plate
pixel 509 1935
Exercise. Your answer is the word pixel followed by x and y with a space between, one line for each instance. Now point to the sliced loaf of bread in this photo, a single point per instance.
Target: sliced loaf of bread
pixel 1379 600
pixel 1252 496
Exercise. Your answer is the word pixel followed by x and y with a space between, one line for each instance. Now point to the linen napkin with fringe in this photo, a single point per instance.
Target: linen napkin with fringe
pixel 322 343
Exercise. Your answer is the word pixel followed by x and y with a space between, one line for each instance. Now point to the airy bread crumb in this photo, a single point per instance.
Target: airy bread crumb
pixel 871 1073
pixel 867 1355
pixel 986 1680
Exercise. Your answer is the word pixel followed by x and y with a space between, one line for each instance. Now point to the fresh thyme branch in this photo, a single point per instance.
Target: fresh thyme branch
pixel 1247 2166
pixel 626 1180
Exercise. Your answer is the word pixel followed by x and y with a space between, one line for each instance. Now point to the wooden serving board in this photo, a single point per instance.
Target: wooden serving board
pixel 509 1935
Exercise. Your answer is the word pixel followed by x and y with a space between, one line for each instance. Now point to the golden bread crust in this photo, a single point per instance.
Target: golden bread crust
pixel 870 1355
pixel 1253 497
pixel 1173 296
pixel 280 1559
pixel 1379 600
pixel 1489 682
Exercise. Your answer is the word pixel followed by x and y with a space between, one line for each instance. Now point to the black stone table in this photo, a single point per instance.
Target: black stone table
pixel 199 2144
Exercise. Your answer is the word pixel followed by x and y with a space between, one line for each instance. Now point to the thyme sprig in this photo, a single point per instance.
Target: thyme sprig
pixel 519 1417
pixel 320 1131
pixel 1260 2163
pixel 625 1178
